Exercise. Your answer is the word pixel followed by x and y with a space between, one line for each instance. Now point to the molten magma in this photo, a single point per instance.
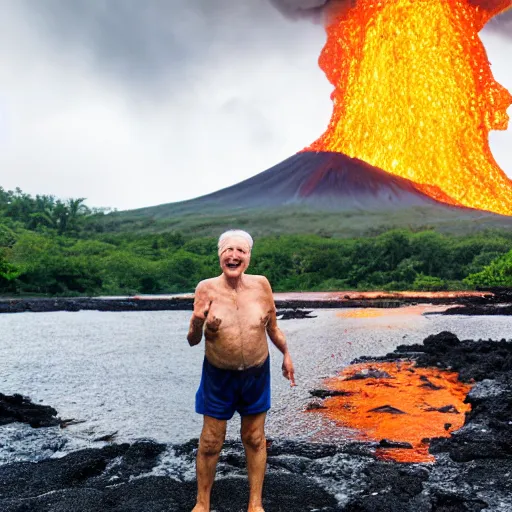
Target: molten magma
pixel 409 405
pixel 414 95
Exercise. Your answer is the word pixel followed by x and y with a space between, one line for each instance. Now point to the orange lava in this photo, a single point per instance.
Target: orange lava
pixel 343 296
pixel 420 394
pixel 414 95
pixel 402 311
pixel 362 313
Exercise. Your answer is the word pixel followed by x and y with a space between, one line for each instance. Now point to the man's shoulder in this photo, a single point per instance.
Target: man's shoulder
pixel 258 280
pixel 206 284
pixel 211 281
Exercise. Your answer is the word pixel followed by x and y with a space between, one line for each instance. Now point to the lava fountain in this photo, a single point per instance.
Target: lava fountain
pixel 414 95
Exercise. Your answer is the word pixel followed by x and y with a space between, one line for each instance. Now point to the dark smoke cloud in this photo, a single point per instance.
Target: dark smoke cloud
pixel 296 9
pixel 314 9
pixel 153 41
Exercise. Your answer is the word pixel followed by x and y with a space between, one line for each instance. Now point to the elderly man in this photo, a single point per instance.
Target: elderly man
pixel 238 310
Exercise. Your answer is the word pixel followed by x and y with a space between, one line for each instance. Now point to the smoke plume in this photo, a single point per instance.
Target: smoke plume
pixel 296 9
pixel 314 9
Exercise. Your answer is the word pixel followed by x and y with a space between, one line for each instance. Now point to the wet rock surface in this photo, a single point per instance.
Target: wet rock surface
pixel 488 301
pixel 499 303
pixel 102 479
pixel 94 304
pixel 472 471
pixel 484 309
pixel 292 314
pixel 21 409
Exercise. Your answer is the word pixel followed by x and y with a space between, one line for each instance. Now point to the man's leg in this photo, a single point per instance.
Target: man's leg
pixel 210 445
pixel 253 437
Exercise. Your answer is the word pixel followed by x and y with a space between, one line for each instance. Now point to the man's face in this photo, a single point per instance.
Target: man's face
pixel 234 257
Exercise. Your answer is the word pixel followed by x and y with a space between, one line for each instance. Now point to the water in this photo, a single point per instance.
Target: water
pixel 133 373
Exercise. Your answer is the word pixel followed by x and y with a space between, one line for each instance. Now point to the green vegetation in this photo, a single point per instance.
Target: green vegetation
pixel 52 247
pixel 299 220
pixel 497 273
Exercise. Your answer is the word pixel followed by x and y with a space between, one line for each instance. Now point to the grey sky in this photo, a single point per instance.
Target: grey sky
pixel 132 103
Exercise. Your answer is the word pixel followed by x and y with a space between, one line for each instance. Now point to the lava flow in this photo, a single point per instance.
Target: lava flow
pixel 414 95
pixel 399 403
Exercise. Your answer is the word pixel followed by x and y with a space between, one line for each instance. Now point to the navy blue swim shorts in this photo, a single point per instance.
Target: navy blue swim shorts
pixel 222 392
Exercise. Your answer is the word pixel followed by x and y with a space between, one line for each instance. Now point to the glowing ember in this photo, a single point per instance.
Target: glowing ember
pixel 408 405
pixel 415 96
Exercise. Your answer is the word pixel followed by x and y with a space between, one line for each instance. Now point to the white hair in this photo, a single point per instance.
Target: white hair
pixel 236 233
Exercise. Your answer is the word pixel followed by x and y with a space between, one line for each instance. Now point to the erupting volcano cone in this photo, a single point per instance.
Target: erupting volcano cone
pixel 414 102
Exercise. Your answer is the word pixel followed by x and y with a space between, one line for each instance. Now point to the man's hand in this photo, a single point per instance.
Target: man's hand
pixel 212 326
pixel 202 305
pixel 195 331
pixel 288 369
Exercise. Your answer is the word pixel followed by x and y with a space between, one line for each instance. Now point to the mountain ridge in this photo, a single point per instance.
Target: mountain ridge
pixel 313 192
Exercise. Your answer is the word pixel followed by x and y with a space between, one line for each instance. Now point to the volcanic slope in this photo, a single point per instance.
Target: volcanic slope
pixel 314 191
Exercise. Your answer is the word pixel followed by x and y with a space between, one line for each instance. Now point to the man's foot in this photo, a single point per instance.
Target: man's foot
pixel 258 508
pixel 201 508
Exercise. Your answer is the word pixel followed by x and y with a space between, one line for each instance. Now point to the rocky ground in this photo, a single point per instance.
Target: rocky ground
pixel 18 408
pixel 46 305
pixel 480 309
pixel 472 471
pixel 499 303
pixel 480 300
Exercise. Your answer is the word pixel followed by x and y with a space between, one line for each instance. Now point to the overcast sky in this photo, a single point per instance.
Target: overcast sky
pixel 133 103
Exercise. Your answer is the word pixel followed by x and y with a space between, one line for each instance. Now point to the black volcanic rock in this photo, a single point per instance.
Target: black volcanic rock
pixel 17 408
pixel 102 480
pixel 46 305
pixel 475 361
pixel 436 342
pixel 386 409
pixel 327 393
pixel 476 310
pixel 293 314
pixel 287 308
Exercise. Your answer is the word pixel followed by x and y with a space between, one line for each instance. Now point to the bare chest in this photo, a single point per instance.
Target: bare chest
pixel 247 310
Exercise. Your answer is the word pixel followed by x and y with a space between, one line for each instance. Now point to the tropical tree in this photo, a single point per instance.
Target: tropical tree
pixel 498 273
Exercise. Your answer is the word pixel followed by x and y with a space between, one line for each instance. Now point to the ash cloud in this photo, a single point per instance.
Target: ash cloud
pixel 155 41
pixel 296 9
pixel 314 10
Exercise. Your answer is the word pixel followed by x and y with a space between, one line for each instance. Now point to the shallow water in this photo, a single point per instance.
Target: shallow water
pixel 133 373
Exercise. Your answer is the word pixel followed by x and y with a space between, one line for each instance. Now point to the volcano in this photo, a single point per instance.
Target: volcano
pixel 314 192
pixel 321 181
pixel 407 145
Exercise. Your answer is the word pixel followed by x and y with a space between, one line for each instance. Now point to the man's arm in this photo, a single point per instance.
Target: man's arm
pixel 201 307
pixel 278 338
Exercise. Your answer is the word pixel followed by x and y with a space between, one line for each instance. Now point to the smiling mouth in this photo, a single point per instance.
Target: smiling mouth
pixel 233 265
